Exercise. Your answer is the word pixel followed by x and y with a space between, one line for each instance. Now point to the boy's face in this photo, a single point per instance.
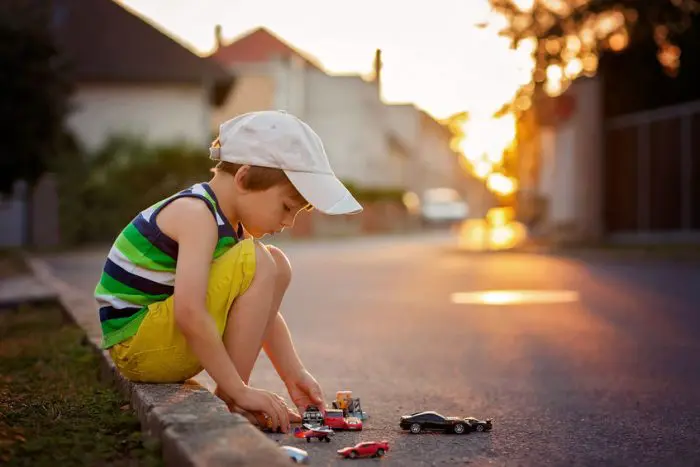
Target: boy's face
pixel 269 211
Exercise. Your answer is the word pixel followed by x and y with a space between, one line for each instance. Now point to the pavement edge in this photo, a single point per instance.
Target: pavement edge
pixel 193 426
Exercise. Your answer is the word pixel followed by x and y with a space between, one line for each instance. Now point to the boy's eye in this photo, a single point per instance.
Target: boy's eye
pixel 286 208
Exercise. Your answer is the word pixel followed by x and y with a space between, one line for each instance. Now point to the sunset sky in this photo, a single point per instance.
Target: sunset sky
pixel 434 55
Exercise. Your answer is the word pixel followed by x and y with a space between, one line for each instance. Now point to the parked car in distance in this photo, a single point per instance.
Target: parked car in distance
pixel 443 206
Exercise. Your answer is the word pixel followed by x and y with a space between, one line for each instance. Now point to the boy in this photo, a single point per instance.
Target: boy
pixel 187 286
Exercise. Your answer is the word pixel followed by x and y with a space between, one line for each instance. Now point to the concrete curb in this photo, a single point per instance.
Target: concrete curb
pixel 193 426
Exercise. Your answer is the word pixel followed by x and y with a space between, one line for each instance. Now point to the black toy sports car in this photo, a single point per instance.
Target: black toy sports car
pixel 479 425
pixel 433 421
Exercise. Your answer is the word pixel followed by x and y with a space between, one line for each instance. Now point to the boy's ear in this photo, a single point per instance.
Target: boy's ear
pixel 240 177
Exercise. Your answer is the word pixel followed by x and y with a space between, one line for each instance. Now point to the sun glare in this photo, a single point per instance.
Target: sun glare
pixel 486 135
pixel 514 297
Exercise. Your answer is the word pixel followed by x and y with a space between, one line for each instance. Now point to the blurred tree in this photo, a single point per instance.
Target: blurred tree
pixel 455 123
pixel 34 91
pixel 567 37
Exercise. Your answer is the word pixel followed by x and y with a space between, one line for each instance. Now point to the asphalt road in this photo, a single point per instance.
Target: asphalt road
pixel 610 376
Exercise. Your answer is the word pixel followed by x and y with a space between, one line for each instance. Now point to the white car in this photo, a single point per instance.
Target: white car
pixel 443 205
pixel 298 456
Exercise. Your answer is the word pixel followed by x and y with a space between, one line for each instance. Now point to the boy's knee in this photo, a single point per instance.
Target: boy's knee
pixel 265 267
pixel 283 274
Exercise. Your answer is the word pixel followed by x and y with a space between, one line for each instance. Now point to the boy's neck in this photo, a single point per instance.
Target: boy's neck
pixel 223 189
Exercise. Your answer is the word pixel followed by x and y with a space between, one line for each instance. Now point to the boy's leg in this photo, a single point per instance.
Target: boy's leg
pixel 159 353
pixel 248 313
pixel 250 316
pixel 283 278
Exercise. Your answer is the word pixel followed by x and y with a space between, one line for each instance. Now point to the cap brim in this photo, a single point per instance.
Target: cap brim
pixel 324 192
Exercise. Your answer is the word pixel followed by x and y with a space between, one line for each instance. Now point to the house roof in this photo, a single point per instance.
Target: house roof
pixel 103 41
pixel 440 127
pixel 259 45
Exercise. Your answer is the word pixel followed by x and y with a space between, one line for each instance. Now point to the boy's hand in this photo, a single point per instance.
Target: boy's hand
pixel 265 402
pixel 304 390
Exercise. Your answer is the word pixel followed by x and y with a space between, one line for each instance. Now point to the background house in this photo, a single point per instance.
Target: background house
pixel 128 79
pixel 132 79
pixel 346 111
pixel 617 157
pixel 370 143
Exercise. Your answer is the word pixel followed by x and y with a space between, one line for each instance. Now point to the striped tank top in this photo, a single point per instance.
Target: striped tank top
pixel 140 267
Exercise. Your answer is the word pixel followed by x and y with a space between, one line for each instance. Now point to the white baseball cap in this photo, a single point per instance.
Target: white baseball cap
pixel 280 140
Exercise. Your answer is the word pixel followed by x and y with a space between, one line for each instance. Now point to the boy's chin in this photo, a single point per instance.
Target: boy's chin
pixel 256 234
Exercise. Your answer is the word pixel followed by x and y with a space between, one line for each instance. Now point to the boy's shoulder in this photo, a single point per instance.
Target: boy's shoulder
pixel 186 213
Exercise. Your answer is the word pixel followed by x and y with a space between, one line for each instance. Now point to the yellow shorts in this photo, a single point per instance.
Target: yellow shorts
pixel 159 353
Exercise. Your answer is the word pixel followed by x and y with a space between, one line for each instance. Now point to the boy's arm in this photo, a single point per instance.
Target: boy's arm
pixel 189 222
pixel 280 349
pixel 303 388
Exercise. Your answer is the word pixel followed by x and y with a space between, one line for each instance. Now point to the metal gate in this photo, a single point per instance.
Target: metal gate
pixel 652 175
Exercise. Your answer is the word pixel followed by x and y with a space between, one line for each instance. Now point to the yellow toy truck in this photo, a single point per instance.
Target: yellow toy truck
pixel 350 406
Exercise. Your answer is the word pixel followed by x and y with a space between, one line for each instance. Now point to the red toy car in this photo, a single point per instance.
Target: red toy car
pixel 366 449
pixel 322 433
pixel 335 419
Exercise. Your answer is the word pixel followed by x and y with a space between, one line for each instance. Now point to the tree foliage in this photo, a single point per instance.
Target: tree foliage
pixel 34 91
pixel 568 36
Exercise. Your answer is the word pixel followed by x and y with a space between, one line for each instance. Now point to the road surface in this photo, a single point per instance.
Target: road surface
pixel 603 371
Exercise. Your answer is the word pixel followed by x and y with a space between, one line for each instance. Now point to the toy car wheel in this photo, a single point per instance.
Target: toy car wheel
pixel 308 440
pixel 459 428
pixel 353 454
pixel 415 428
pixel 380 452
pixel 480 428
pixel 327 439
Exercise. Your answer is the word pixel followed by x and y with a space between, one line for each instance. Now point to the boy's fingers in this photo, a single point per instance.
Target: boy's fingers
pixel 285 419
pixel 280 411
pixel 284 412
pixel 285 415
pixel 281 414
pixel 272 413
pixel 293 415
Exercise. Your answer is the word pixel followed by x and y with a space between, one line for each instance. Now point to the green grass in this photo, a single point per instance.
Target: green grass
pixel 54 411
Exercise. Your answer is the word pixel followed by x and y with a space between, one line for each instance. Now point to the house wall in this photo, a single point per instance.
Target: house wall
pixel 347 114
pixel 157 113
pixel 255 89
pixel 403 123
pixel 437 163
pixel 570 177
pixel 344 110
pixel 431 162
pixel 368 142
pixel 399 165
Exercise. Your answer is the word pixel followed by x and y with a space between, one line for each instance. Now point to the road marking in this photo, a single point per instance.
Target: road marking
pixel 514 297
